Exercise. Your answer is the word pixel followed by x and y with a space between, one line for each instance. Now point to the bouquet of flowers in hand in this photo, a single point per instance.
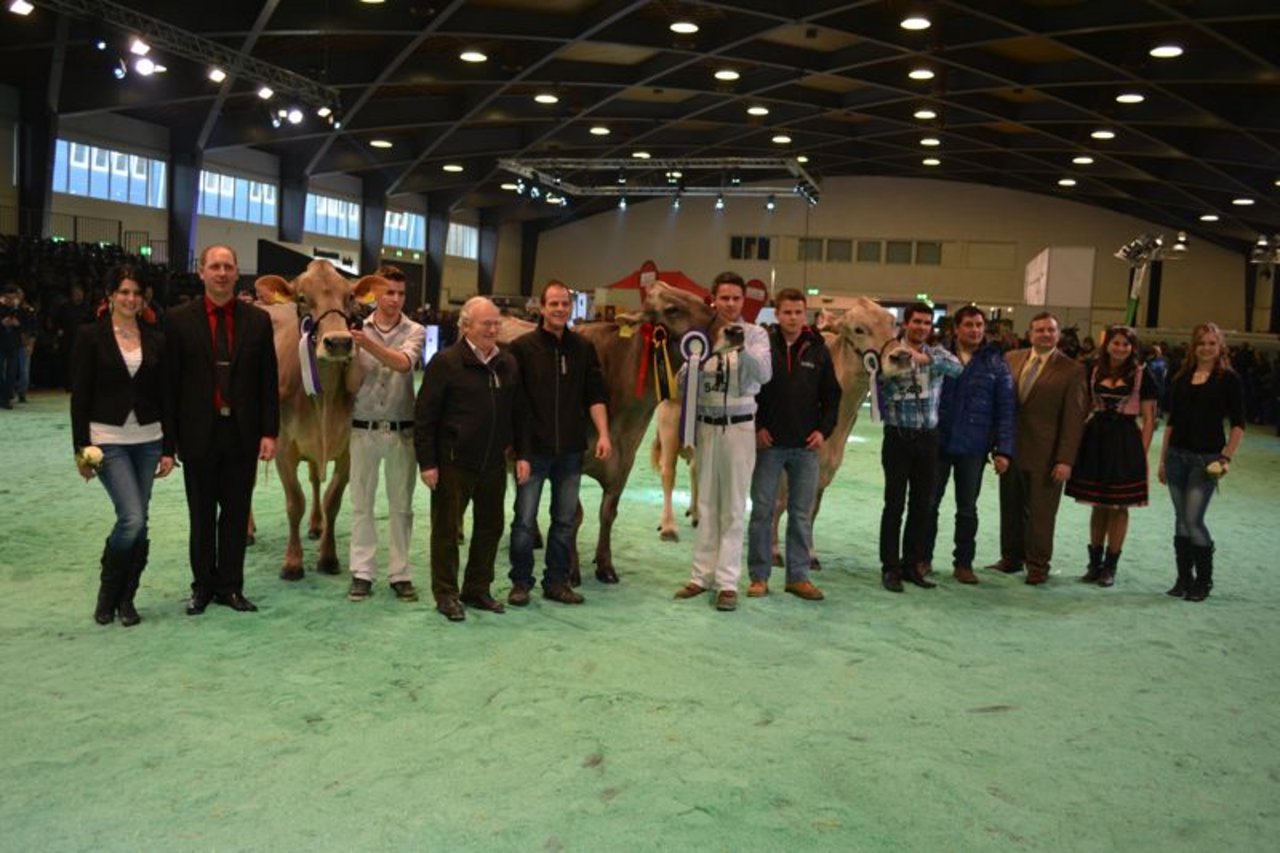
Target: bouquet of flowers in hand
pixel 90 456
pixel 1218 468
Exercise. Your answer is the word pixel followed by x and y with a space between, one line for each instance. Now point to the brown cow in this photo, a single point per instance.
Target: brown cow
pixel 317 428
pixel 621 348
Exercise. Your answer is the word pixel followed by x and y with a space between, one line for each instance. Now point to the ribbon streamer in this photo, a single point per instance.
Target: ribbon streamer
pixel 664 376
pixel 871 361
pixel 693 346
pixel 307 359
pixel 646 353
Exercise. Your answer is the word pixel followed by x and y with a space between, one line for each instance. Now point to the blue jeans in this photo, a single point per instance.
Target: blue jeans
pixel 801 465
pixel 565 473
pixel 1191 488
pixel 127 473
pixel 967 470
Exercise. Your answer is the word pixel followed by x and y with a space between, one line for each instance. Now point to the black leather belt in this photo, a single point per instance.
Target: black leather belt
pixel 725 421
pixel 384 426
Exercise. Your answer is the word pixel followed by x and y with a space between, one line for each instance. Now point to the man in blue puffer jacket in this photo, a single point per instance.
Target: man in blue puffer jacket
pixel 975 418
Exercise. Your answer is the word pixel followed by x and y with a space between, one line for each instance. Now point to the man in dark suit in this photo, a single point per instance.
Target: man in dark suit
pixel 1052 404
pixel 223 410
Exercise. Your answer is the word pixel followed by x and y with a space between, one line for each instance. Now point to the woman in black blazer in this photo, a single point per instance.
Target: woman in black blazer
pixel 116 406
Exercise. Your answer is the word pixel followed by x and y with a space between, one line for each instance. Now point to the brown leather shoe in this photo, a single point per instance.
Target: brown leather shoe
pixel 689 590
pixel 805 590
pixel 484 602
pixel 726 600
pixel 519 596
pixel 1036 576
pixel 964 574
pixel 562 593
pixel 1009 567
pixel 757 589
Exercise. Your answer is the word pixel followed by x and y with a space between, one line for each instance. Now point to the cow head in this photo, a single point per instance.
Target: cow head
pixel 328 305
pixel 871 331
pixel 675 310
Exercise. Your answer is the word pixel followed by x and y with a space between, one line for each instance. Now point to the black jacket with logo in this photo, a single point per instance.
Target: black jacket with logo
pixel 803 395
pixel 466 409
pixel 560 380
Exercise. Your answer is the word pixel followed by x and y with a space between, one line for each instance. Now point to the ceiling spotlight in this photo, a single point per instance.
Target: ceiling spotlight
pixel 931 161
pixel 473 56
pixel 803 158
pixel 622 203
pixel 931 142
pixel 599 130
pixel 535 192
pixel 921 74
pixel 546 98
pixel 1130 98
pixel 100 44
pixel 1208 217
pixel 119 70
pixel 294 116
pixel 781 139
pixel 1181 244
pixel 677 174
pixel 379 143
pixel 915 22
pixel 217 75
pixel 728 75
pixel 1242 202
pixel 520 186
pixel 925 114
pixel 452 167
pixel 641 155
pixel 622 177
pixel 1103 133
pixel 770 203
pixel 675 202
pixel 720 202
pixel 1166 51
pixel 138 47
pixel 21 7
pixel 735 179
pixel 144 66
pixel 684 28
pixel 275 121
pixel 324 112
pixel 265 93
pixel 757 111
pixel 1082 160
pixel 282 112
pixel 1262 241
pixel 1067 182
pixel 509 187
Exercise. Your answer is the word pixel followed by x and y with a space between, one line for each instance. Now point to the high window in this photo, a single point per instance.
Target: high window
pixel 405 230
pixel 229 197
pixel 87 170
pixel 463 241
pixel 336 217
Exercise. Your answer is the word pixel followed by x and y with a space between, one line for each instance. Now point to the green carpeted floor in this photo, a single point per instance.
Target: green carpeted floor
pixel 1001 716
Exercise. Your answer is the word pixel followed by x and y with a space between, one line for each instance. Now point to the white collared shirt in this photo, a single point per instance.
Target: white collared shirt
pixel 386 394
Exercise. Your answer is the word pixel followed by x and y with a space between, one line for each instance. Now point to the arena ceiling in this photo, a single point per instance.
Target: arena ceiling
pixel 1019 90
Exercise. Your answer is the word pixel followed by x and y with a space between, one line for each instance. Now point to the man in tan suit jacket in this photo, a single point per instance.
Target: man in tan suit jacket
pixel 1052 405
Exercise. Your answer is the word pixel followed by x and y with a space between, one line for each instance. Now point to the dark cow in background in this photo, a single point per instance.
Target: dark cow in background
pixel 315 429
pixel 623 347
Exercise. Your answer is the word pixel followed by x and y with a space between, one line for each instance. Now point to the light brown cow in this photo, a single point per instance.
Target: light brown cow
pixel 621 348
pixel 315 429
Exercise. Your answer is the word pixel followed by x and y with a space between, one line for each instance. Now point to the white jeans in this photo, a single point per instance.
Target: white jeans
pixel 726 458
pixel 393 451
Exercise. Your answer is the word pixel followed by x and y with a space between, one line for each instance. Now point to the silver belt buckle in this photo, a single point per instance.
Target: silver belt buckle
pixel 225 411
pixel 384 427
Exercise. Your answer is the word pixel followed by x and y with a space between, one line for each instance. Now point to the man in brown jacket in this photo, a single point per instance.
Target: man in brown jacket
pixel 1052 404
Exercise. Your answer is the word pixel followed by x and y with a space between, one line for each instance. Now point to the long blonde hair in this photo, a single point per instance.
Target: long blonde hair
pixel 1189 363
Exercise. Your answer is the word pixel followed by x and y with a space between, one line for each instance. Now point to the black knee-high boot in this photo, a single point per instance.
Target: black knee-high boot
pixel 1204 572
pixel 1184 560
pixel 115 566
pixel 1108 575
pixel 138 561
pixel 1094 569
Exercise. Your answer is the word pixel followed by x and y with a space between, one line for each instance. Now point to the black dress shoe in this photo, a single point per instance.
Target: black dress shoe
pixel 197 603
pixel 891 581
pixel 236 601
pixel 915 574
pixel 452 609
pixel 484 602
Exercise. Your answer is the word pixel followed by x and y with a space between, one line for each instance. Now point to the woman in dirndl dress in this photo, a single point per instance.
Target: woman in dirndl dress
pixel 1110 473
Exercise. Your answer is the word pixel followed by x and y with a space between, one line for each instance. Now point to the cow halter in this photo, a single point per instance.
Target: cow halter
pixel 309 327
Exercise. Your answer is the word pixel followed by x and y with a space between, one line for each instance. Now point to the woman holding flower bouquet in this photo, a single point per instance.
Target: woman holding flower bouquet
pixel 1195 455
pixel 116 406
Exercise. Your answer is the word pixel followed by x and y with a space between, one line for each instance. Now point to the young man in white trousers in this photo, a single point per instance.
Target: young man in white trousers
pixel 388 346
pixel 728 381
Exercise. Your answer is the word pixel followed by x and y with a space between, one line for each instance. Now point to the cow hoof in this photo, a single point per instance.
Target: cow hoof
pixel 607 575
pixel 695 523
pixel 815 565
pixel 288 574
pixel 669 536
pixel 328 566
pixel 313 534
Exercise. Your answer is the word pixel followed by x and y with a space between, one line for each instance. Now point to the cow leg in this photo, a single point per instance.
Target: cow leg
pixel 294 505
pixel 605 572
pixel 667 530
pixel 315 524
pixel 327 559
pixel 575 565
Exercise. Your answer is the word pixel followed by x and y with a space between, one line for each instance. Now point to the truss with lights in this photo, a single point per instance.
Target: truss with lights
pixel 673 176
pixel 1139 253
pixel 186 44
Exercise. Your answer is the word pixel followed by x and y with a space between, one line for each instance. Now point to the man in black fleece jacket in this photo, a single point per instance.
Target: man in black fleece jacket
pixel 561 386
pixel 464 421
pixel 797 413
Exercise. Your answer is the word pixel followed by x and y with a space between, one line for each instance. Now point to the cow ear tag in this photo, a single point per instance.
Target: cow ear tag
pixel 626 331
